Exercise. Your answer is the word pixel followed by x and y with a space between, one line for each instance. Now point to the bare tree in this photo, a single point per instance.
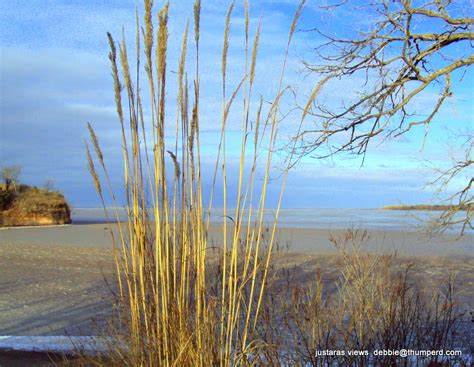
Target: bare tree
pixel 411 50
pixel 49 185
pixel 461 210
pixel 10 175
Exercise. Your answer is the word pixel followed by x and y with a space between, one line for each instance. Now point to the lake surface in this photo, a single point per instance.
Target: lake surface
pixel 303 230
pixel 371 219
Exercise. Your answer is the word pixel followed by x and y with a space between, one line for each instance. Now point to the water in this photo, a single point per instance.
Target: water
pixel 371 219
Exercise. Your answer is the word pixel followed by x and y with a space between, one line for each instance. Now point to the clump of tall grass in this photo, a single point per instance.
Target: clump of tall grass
pixel 168 314
pixel 373 304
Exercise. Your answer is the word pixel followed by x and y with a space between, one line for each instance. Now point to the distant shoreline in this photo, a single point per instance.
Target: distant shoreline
pixel 425 207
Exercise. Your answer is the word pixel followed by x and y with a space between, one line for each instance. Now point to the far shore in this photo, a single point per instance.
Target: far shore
pixel 426 207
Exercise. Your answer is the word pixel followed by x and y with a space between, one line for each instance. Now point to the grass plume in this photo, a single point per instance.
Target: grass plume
pixel 167 310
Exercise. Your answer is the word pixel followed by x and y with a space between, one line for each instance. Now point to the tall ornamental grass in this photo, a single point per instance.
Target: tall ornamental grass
pixel 168 315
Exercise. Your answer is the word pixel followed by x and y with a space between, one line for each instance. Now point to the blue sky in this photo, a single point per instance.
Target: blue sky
pixel 55 77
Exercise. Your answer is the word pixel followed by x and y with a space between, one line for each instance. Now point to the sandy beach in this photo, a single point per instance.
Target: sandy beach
pixel 53 279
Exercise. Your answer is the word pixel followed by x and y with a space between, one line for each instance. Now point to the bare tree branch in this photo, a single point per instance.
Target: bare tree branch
pixel 461 208
pixel 410 51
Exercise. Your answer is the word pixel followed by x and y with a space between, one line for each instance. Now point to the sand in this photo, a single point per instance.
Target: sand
pixel 53 279
pixel 50 289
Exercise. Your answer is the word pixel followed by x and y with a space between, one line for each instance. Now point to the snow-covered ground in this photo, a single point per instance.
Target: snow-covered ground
pixel 53 344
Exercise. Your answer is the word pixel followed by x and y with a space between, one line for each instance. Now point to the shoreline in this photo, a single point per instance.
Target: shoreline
pixel 38 226
pixel 425 207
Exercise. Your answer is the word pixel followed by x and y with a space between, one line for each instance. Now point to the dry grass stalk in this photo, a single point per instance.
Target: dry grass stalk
pixel 374 303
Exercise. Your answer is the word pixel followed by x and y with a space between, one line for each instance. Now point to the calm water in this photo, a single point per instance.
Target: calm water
pixel 309 218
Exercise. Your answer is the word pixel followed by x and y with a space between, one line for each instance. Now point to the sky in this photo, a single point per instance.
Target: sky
pixel 55 77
